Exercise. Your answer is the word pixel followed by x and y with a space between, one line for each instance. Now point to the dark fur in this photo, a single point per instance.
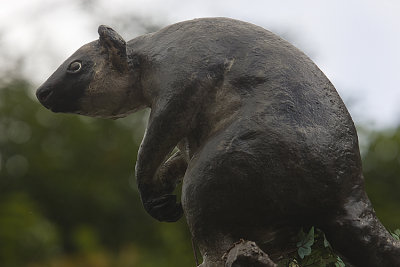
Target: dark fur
pixel 266 144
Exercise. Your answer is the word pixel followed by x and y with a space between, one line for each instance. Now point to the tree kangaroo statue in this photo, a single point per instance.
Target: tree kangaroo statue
pixel 264 143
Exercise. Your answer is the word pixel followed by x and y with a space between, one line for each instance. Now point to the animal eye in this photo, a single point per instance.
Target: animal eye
pixel 74 67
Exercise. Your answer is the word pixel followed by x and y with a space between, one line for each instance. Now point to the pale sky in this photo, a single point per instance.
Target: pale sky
pixel 355 43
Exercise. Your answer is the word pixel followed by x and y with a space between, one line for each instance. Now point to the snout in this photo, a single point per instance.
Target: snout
pixel 44 94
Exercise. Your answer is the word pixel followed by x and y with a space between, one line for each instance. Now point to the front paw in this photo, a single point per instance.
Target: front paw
pixel 164 208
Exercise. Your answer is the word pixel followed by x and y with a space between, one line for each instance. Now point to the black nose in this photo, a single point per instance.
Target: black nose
pixel 43 94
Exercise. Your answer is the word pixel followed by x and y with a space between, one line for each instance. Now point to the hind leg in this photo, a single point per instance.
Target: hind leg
pixel 214 206
pixel 225 199
pixel 358 235
pixel 208 208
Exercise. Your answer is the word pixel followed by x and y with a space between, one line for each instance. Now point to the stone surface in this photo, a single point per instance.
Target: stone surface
pixel 246 254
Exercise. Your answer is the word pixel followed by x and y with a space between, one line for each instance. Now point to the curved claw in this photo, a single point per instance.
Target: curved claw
pixel 164 208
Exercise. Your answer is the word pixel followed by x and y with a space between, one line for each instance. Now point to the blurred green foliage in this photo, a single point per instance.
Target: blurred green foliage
pixel 68 195
pixel 67 191
pixel 381 162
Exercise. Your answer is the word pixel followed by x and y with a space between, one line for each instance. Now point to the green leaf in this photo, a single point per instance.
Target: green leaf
pixel 308 240
pixel 326 242
pixel 304 251
pixel 339 263
pixel 395 236
pixel 305 244
pixel 397 232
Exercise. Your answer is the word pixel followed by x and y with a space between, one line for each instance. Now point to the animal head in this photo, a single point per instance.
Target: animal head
pixel 97 80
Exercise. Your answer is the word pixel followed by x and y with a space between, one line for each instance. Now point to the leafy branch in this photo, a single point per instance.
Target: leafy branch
pixel 313 250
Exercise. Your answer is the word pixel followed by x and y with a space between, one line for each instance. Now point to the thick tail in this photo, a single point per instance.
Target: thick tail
pixel 358 235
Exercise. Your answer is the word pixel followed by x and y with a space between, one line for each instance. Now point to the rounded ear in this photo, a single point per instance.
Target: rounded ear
pixel 114 45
